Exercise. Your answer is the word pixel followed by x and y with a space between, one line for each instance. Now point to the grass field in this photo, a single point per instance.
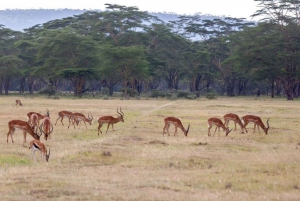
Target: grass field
pixel 136 162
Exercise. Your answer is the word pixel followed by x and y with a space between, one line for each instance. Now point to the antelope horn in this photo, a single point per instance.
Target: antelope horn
pixel 121 111
pixel 118 111
pixel 42 129
pixel 188 128
pixel 268 123
pixel 51 129
pixel 47 113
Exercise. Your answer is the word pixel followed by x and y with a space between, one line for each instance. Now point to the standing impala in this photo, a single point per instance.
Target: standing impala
pixel 78 117
pixel 236 119
pixel 110 120
pixel 63 114
pixel 257 122
pixel 35 145
pixel 38 114
pixel 46 128
pixel 18 103
pixel 177 123
pixel 218 123
pixel 24 126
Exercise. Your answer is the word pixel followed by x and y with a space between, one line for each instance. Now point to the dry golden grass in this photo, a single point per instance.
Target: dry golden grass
pixel 137 162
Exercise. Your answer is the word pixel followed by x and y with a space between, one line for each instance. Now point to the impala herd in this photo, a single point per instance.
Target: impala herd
pixel 36 129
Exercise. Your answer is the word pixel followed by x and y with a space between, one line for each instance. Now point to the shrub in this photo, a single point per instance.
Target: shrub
pixel 50 90
pixel 211 95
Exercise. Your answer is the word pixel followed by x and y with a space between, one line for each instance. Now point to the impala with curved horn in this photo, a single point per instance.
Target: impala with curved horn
pixel 78 117
pixel 35 145
pixel 22 125
pixel 218 123
pixel 110 121
pixel 177 123
pixel 40 116
pixel 236 119
pixel 257 122
pixel 46 127
pixel 18 103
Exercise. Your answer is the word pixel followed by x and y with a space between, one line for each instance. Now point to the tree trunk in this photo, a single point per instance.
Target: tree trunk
pixel 6 86
pixel 22 85
pixel 78 85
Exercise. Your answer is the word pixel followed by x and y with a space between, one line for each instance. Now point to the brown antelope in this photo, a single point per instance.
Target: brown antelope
pixel 18 103
pixel 24 126
pixel 63 114
pixel 218 123
pixel 35 145
pixel 236 119
pixel 78 117
pixel 177 123
pixel 257 122
pixel 38 114
pixel 46 128
pixel 34 121
pixel 110 120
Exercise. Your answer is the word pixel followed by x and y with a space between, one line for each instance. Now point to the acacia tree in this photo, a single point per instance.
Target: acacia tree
pixel 282 17
pixel 66 54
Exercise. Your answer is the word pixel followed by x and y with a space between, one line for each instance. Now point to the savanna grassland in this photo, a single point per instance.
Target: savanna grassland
pixel 136 162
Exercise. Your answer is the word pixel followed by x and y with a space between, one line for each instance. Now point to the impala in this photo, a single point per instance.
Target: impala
pixel 78 117
pixel 177 123
pixel 236 119
pixel 35 145
pixel 24 126
pixel 218 123
pixel 110 120
pixel 46 127
pixel 63 114
pixel 34 121
pixel 18 103
pixel 257 122
pixel 38 114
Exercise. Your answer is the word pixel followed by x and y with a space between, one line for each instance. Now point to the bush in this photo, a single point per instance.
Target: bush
pixel 211 95
pixel 50 90
pixel 182 94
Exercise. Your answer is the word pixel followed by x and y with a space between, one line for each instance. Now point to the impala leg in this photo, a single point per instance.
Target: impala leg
pixel 235 126
pixel 99 127
pixel 175 130
pixel 215 130
pixel 209 127
pixel 164 128
pixel 168 129
pixel 62 118
pixel 10 132
pixel 24 135
pixel 57 120
pixel 107 127
pixel 112 126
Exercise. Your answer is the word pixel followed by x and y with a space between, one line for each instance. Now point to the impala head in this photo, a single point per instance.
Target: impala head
pixel 228 131
pixel 187 130
pixel 266 129
pixel 121 114
pixel 46 133
pixel 47 155
pixel 47 113
pixel 90 117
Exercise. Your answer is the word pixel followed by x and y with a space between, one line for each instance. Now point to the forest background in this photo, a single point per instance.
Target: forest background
pixel 123 50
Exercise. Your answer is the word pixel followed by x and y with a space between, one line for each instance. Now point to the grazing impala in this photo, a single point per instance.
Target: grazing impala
pixel 37 145
pixel 218 123
pixel 18 103
pixel 257 122
pixel 110 120
pixel 24 126
pixel 236 119
pixel 38 114
pixel 34 121
pixel 46 128
pixel 177 123
pixel 63 114
pixel 78 117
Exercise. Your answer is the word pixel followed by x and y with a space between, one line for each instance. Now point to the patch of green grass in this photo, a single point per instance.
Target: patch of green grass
pixel 13 160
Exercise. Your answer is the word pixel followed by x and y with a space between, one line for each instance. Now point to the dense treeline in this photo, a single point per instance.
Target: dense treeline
pixel 124 49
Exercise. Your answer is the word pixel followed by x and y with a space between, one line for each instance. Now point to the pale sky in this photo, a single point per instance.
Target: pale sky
pixel 231 8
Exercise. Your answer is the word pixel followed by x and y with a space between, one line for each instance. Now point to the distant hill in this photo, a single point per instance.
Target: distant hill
pixel 19 19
